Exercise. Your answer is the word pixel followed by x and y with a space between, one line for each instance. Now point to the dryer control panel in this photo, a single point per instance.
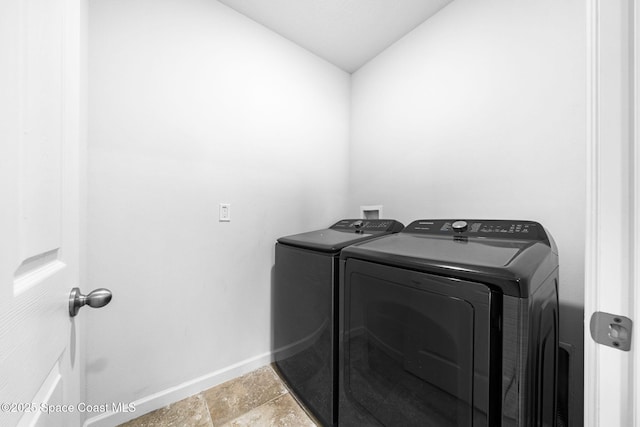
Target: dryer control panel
pixel 506 229
pixel 368 226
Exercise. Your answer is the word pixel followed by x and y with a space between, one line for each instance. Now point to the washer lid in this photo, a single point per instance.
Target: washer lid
pixel 507 260
pixel 342 234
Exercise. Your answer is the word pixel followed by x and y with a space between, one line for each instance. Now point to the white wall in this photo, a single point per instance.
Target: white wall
pixel 480 113
pixel 191 105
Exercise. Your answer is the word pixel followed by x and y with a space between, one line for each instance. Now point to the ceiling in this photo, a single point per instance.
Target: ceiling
pixel 347 33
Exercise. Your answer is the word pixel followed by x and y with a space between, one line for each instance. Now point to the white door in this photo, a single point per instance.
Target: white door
pixel 39 208
pixel 612 279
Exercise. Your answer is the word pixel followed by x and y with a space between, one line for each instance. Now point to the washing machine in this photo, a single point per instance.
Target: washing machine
pixel 450 323
pixel 303 305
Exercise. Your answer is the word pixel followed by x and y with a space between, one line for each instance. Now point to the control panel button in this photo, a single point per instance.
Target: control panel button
pixel 459 226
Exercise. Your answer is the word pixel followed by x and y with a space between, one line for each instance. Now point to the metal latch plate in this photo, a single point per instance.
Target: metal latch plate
pixel 611 330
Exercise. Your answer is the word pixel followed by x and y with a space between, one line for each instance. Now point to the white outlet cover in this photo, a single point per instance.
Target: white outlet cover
pixel 225 212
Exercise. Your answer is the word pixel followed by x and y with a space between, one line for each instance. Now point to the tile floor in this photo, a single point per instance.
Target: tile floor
pixel 257 399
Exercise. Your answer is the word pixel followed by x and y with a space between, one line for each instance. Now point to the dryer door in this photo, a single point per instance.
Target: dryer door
pixel 415 348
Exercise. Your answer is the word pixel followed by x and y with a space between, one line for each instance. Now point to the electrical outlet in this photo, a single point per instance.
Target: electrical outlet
pixel 225 212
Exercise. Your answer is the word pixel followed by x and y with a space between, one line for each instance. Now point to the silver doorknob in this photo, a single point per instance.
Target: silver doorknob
pixel 97 298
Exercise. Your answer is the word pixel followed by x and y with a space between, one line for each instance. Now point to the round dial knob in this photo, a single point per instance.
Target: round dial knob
pixel 459 226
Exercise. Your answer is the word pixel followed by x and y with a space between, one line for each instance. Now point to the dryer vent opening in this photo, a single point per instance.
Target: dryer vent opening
pixel 564 359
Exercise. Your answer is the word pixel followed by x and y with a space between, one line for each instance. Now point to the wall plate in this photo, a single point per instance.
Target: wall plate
pixel 225 212
pixel 371 212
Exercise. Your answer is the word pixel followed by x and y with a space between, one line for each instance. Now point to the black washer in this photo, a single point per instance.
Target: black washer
pixel 450 323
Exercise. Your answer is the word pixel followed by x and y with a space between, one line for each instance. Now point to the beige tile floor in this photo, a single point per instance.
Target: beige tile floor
pixel 257 399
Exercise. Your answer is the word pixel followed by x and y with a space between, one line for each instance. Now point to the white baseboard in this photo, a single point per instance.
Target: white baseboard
pixel 173 394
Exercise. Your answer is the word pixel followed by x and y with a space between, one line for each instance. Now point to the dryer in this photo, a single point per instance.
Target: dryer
pixel 305 343
pixel 450 323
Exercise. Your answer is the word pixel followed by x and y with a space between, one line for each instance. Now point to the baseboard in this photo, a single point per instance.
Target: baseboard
pixel 179 392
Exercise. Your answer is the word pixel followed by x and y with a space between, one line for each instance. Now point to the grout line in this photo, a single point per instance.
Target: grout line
pixel 256 407
pixel 302 406
pixel 275 398
pixel 285 392
pixel 206 405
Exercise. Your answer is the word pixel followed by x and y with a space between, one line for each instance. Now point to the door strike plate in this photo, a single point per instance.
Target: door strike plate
pixel 612 330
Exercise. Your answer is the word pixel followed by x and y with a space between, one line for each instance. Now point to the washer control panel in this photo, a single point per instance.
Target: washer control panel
pixel 522 230
pixel 367 225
